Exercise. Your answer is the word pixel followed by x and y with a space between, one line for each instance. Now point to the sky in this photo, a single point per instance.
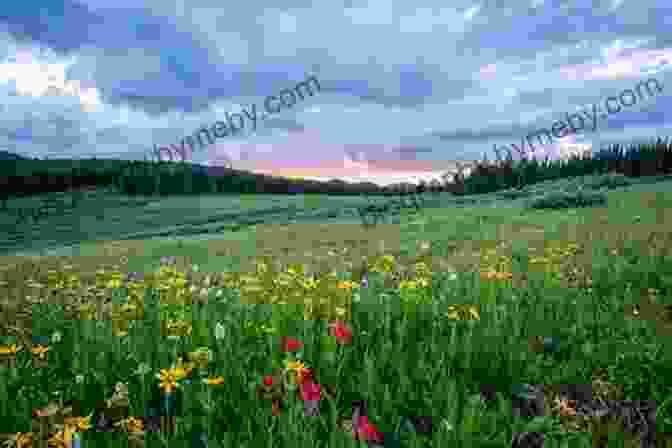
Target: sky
pixel 407 90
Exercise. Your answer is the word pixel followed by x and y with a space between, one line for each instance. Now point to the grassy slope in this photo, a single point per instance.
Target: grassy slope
pixel 457 232
pixel 101 216
pixel 458 237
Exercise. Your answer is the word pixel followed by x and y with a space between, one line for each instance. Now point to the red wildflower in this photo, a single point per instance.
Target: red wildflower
pixel 367 431
pixel 289 344
pixel 304 375
pixel 268 380
pixel 310 391
pixel 341 331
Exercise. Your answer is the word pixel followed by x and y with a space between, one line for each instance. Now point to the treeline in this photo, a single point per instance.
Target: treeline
pixel 25 177
pixel 29 177
pixel 647 159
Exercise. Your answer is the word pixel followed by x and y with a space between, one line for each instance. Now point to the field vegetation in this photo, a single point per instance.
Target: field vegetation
pixel 504 312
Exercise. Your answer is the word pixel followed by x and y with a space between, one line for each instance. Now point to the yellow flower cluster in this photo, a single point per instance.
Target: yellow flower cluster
pixel 386 264
pixel 553 255
pixel 62 280
pixel 108 280
pixel 494 265
pixel 294 285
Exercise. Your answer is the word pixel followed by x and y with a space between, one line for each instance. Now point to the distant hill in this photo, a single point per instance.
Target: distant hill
pixel 6 155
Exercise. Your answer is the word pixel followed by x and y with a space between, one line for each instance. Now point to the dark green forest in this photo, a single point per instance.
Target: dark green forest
pixel 25 177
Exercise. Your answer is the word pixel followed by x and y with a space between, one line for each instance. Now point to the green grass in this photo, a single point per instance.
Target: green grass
pixel 425 365
pixel 422 365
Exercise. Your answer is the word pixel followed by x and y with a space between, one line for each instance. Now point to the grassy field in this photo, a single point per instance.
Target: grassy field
pixel 443 306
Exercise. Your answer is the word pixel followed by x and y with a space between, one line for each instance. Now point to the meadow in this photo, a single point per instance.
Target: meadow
pixel 477 320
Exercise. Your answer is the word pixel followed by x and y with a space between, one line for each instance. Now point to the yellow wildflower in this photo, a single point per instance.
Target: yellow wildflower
pixel 214 380
pixel 346 284
pixel 295 365
pixel 20 440
pixel 132 424
pixel 168 378
pixel 6 349
pixel 79 424
pixel 310 284
pixel 39 349
pixel 455 313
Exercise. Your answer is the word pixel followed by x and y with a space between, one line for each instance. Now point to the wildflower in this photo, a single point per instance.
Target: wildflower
pixel 78 424
pixel 167 260
pixel 169 377
pixel 214 380
pixel 119 397
pixel 183 363
pixel 20 440
pixel 202 354
pixel 384 264
pixel 6 349
pixel 456 313
pixel 39 349
pixel 310 284
pixel 180 372
pixel 289 344
pixel 132 424
pixel 294 365
pixel 341 331
pixel 346 284
pixel 304 376
pixel 294 370
pixel 423 282
pixel 499 275
pixel 168 384
pixel 310 391
pixel 567 408
pixel 62 438
pixel 474 313
pixel 268 380
pixel 133 276
pixel 367 431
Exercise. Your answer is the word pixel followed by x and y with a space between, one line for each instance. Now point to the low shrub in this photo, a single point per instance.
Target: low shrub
pixel 558 200
pixel 609 181
pixel 513 194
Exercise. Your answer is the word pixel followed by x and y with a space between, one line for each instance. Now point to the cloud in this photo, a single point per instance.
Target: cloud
pixel 454 78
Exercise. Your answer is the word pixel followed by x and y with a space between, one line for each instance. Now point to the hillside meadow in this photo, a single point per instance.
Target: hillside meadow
pixel 445 314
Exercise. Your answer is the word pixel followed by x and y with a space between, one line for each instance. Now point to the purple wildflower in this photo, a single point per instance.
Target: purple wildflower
pixel 132 276
pixel 168 260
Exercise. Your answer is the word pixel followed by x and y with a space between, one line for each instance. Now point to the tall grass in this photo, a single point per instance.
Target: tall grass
pixel 424 344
